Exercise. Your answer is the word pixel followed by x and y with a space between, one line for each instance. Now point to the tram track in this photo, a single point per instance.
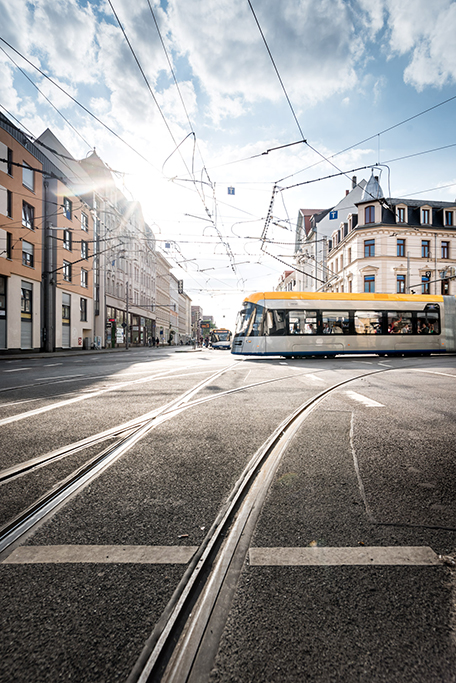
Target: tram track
pixel 130 433
pixel 184 642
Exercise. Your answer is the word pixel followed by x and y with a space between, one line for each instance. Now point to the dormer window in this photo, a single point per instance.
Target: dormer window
pixel 449 219
pixel 425 216
pixel 400 214
pixel 369 214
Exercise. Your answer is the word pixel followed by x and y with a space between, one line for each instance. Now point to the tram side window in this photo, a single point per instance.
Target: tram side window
pixel 257 323
pixel 276 323
pixel 296 322
pixel 302 322
pixel 368 322
pixel 428 322
pixel 399 322
pixel 335 322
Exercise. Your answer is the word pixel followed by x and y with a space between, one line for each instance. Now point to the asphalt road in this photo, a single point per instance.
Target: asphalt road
pixel 371 469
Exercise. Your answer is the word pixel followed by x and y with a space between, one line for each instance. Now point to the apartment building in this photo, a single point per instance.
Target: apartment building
pixel 22 216
pixel 391 245
pixel 394 245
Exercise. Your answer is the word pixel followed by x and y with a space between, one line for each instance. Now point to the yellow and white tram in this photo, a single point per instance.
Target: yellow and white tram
pixel 325 324
pixel 221 338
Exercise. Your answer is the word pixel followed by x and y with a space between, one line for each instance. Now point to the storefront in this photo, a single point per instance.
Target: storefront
pixel 140 329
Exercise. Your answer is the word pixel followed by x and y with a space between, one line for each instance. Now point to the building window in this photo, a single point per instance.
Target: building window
pixel 425 249
pixel 28 216
pixel 400 284
pixel 369 248
pixel 449 218
pixel 3 295
pixel 400 247
pixel 27 254
pixel 9 245
pixel 66 311
pixel 67 271
pixel 84 278
pixel 369 283
pixel 445 287
pixel 67 240
pixel 9 161
pixel 425 216
pixel 83 309
pixel 26 300
pixel 369 214
pixel 84 222
pixel 425 286
pixel 67 208
pixel 28 177
pixel 349 258
pixel 84 249
pixel 445 250
pixel 400 214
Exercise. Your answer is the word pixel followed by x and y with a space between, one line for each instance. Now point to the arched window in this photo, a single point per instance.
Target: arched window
pixel 369 214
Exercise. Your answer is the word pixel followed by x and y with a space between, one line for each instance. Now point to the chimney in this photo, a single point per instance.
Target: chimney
pixel 354 182
pixel 347 192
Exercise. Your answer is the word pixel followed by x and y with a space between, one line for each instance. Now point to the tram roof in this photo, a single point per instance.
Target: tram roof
pixel 341 296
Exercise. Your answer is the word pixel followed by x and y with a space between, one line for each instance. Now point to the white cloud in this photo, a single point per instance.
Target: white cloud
pixel 312 45
pixel 425 30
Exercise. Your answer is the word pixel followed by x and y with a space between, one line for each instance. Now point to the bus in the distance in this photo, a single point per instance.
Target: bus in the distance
pixel 221 339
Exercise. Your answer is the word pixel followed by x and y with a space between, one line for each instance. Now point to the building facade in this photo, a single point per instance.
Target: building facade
pixel 387 245
pixel 78 263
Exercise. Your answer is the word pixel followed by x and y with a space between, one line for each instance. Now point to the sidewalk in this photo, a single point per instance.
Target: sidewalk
pixel 94 352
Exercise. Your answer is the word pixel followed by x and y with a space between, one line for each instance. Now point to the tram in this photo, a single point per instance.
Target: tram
pixel 296 324
pixel 221 339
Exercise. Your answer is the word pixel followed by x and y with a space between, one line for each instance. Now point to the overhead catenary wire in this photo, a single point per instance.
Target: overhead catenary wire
pixel 201 194
pixel 79 104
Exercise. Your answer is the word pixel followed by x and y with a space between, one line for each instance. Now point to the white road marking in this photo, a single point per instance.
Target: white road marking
pixel 102 554
pixel 430 372
pixel 50 365
pixel 59 377
pixel 17 370
pixel 368 402
pixel 374 555
pixel 314 377
pixel 94 393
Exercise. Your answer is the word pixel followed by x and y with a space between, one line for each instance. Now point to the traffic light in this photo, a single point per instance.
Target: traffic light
pixel 180 286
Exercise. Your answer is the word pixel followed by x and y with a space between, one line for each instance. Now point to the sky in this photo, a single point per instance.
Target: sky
pixel 209 110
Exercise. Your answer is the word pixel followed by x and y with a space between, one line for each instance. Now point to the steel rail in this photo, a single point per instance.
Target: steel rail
pixel 22 523
pixel 176 406
pixel 186 617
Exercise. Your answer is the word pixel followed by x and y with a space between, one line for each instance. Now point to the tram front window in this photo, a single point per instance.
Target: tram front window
pixel 248 323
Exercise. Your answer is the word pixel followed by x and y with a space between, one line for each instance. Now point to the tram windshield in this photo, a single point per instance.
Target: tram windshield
pixel 249 320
